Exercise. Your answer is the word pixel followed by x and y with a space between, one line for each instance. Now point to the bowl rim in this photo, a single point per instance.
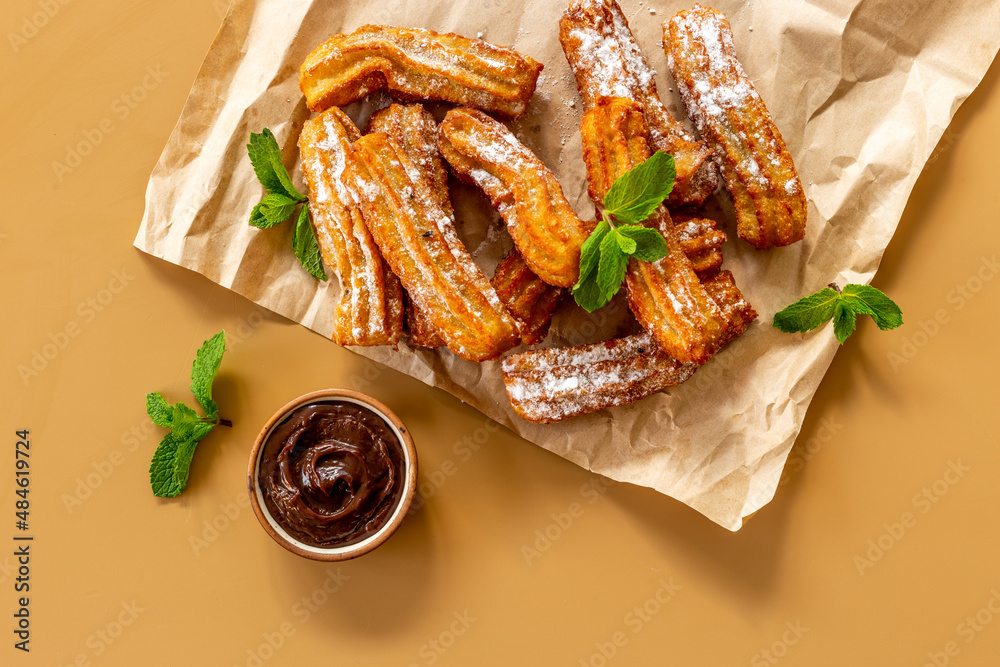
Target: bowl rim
pixel 346 552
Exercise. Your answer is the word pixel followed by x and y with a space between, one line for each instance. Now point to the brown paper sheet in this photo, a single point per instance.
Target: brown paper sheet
pixel 861 90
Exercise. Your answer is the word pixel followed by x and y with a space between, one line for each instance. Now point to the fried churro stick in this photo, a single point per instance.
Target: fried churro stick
pixel 417 64
pixel 545 229
pixel 422 331
pixel 417 238
pixel 371 304
pixel 552 384
pixel 756 166
pixel 528 298
pixel 665 296
pixel 722 288
pixel 607 62
pixel 414 129
pixel 702 242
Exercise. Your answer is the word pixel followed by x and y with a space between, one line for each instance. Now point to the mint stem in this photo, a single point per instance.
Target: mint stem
pixel 836 287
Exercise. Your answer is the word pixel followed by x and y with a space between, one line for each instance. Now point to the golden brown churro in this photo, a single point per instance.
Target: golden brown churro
pixel 417 64
pixel 665 296
pixel 722 288
pixel 414 129
pixel 528 298
pixel 702 242
pixel 370 308
pixel 545 229
pixel 552 384
pixel 724 105
pixel 422 331
pixel 607 62
pixel 417 238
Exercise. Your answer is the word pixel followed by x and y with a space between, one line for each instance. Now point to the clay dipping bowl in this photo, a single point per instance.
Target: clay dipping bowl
pixel 333 553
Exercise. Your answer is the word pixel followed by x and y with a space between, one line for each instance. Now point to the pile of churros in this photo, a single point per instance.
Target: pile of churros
pixel 385 224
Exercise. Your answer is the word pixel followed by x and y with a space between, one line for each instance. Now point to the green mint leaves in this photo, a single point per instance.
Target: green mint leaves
pixel 280 202
pixel 843 307
pixel 619 235
pixel 635 194
pixel 168 472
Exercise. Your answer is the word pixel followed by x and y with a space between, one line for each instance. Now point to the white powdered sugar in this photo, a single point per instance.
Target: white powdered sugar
pixel 555 383
pixel 720 86
pixel 601 57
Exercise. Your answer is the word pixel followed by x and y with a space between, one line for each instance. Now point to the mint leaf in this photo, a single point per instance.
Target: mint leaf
pixel 265 156
pixel 257 218
pixel 808 312
pixel 844 321
pixel 306 247
pixel 650 244
pixel 158 410
pixel 182 417
pixel 612 265
pixel 843 307
pixel 588 295
pixel 168 471
pixel 171 464
pixel 275 209
pixel 638 192
pixel 625 244
pixel 631 199
pixel 590 251
pixel 161 468
pixel 883 310
pixel 203 371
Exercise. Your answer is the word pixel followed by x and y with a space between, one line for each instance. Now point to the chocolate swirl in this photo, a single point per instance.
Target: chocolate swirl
pixel 332 473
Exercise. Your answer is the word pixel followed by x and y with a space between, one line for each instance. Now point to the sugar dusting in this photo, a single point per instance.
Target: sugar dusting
pixel 718 89
pixel 345 243
pixel 556 383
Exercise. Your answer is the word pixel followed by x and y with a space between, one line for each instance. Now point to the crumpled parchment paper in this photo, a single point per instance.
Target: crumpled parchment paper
pixel 861 90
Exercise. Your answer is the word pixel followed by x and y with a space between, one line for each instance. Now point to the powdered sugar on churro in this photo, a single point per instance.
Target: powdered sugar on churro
pixel 556 383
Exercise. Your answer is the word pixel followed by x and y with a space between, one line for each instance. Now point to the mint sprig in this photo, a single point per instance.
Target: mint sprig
pixel 842 306
pixel 168 471
pixel 604 256
pixel 280 202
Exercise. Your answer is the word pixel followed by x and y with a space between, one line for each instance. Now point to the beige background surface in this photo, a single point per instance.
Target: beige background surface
pixel 872 552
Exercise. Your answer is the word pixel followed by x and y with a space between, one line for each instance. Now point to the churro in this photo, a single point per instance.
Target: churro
pixel 370 308
pixel 417 238
pixel 756 166
pixel 545 229
pixel 418 64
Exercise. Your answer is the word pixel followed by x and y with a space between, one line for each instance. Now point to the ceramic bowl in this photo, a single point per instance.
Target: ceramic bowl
pixel 345 552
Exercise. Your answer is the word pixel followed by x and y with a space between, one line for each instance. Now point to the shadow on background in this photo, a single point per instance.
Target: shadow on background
pixel 937 169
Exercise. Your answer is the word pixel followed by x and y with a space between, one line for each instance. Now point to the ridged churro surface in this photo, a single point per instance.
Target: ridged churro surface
pixel 528 298
pixel 543 225
pixel 370 308
pixel 756 166
pixel 417 238
pixel 418 64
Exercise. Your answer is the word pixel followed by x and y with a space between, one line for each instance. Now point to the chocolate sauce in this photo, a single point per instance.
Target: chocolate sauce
pixel 332 473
